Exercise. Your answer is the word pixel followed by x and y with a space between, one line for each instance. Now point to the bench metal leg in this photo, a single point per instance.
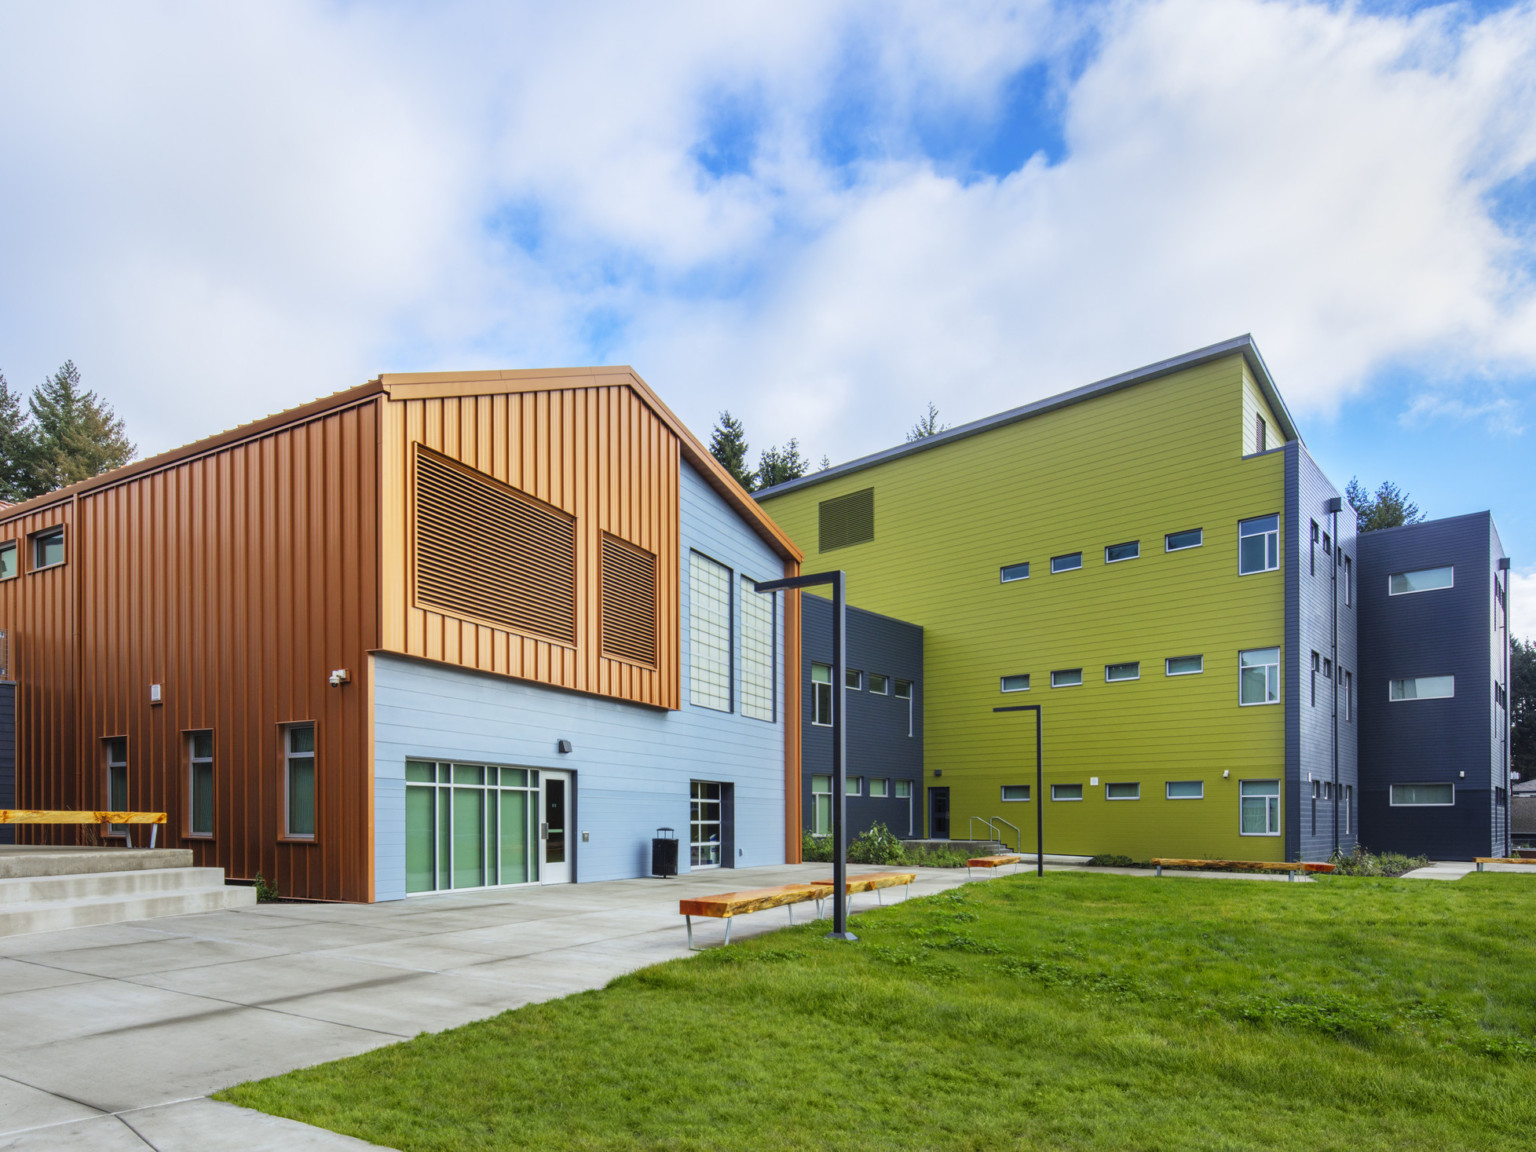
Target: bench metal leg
pixel 790 908
pixel 1479 867
pixel 728 920
pixel 879 899
pixel 690 932
pixel 1291 876
pixel 1159 869
pixel 154 834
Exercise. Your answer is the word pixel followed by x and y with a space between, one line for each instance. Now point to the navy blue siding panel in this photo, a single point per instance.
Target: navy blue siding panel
pixel 1317 712
pixel 1449 631
pixel 878 744
pixel 7 755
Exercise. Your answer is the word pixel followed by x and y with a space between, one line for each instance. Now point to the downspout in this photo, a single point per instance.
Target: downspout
pixel 1509 795
pixel 1335 506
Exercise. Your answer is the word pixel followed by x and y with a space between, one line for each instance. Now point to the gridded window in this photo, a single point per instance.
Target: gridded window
pixel 1423 795
pixel 758 661
pixel 1258 545
pixel 879 685
pixel 879 789
pixel 1178 541
pixel 1066 677
pixel 704 825
pixel 1424 580
pixel 10 564
pixel 1015 683
pixel 1015 793
pixel 200 783
pixel 1067 563
pixel 1127 671
pixel 1117 552
pixel 1422 688
pixel 1008 573
pixel 48 548
pixel 1259 676
pixel 1185 790
pixel 1066 791
pixel 821 694
pixel 299 776
pixel 1122 791
pixel 821 805
pixel 709 633
pixel 1184 665
pixel 1259 802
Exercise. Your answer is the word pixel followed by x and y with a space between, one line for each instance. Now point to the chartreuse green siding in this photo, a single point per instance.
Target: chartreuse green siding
pixel 1161 456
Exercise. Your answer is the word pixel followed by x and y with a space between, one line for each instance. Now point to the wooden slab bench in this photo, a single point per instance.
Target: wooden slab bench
pixel 1481 860
pixel 1287 866
pixel 56 816
pixel 992 862
pixel 730 904
pixel 869 882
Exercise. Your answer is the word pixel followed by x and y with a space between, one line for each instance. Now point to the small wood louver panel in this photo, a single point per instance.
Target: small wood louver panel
pixel 628 608
pixel 847 520
pixel 486 550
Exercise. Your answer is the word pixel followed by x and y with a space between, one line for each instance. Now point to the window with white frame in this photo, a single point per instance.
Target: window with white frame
pixel 1015 683
pixel 1183 665
pixel 853 679
pixel 704 825
pixel 1115 553
pixel 821 805
pixel 299 780
pixel 1423 795
pixel 1015 793
pixel 200 783
pixel 879 685
pixel 1066 677
pixel 1130 670
pixel 1178 541
pixel 1067 563
pixel 879 788
pixel 1258 545
pixel 1259 802
pixel 1122 790
pixel 1008 573
pixel 1422 688
pixel 1066 791
pixel 1423 580
pixel 1349 581
pixel 758 652
pixel 1259 676
pixel 903 689
pixel 821 694
pixel 903 789
pixel 1185 790
pixel 854 786
pixel 709 633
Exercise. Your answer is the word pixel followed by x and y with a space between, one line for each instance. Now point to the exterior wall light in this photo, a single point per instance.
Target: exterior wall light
pixel 339 677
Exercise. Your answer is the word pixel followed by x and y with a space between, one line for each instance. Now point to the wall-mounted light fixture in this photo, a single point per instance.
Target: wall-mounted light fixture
pixel 154 694
pixel 339 677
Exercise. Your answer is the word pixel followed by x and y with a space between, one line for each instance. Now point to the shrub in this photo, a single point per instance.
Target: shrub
pixel 1111 860
pixel 815 849
pixel 1360 862
pixel 877 846
pixel 266 893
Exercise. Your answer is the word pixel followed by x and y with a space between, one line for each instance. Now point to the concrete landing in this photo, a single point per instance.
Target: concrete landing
pixel 18 860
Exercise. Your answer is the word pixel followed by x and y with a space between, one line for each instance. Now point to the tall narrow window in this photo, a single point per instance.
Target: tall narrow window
pixel 821 694
pixel 709 633
pixel 117 779
pixel 1349 809
pixel 1260 435
pixel 9 564
pixel 1258 545
pixel 904 692
pixel 200 783
pixel 757 652
pixel 299 780
pixel 704 825
pixel 1317 664
pixel 1349 581
pixel 821 805
pixel 1312 550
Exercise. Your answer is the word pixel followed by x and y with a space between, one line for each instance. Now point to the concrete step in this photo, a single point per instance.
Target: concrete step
pixel 54 915
pixel 88 885
pixel 17 860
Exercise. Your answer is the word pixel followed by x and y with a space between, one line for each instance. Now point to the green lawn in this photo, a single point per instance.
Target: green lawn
pixel 1083 1011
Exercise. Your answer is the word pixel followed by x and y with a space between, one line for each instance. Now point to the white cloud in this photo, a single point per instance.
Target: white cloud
pixel 1522 604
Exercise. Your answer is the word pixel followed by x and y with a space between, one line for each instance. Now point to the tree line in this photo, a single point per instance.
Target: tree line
pixel 63 433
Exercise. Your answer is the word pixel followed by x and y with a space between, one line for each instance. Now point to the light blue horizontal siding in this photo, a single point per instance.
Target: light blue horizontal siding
pixel 633 765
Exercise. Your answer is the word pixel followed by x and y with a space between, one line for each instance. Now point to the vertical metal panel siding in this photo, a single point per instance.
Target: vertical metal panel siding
pixel 236 580
pixel 597 453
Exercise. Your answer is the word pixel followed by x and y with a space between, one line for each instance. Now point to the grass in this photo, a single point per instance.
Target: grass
pixel 1082 1011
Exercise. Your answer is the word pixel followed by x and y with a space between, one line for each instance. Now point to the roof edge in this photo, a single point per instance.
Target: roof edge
pixel 1239 345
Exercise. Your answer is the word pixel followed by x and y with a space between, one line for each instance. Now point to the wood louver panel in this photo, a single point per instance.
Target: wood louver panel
pixel 847 520
pixel 628 604
pixel 485 550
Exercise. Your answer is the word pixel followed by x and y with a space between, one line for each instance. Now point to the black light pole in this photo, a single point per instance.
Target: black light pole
pixel 1039 780
pixel 839 740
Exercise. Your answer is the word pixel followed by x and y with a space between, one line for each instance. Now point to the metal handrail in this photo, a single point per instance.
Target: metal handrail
pixel 986 822
pixel 1018 836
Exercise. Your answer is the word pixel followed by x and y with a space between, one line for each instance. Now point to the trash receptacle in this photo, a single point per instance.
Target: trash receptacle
pixel 664 853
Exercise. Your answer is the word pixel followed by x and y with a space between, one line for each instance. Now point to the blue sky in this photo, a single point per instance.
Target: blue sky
pixel 819 215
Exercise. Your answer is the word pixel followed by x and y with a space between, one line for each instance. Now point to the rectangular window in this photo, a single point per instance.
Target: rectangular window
pixel 1317 666
pixel 1130 671
pixel 200 783
pixel 1422 688
pixel 1011 572
pixel 1122 791
pixel 1259 802
pixel 117 779
pixel 904 692
pixel 1117 552
pixel 709 633
pixel 1259 676
pixel 1349 808
pixel 1066 791
pixel 704 825
pixel 1015 793
pixel 1424 580
pixel 1327 544
pixel 1184 665
pixel 821 805
pixel 1260 435
pixel 1312 551
pixel 879 685
pixel 1327 668
pixel 1349 581
pixel 1423 795
pixel 1015 683
pixel 821 694
pixel 879 789
pixel 299 777
pixel 9 564
pixel 1066 677
pixel 1258 545
pixel 1178 541
pixel 1349 696
pixel 1185 790
pixel 759 652
pixel 1066 563
pixel 1315 788
pixel 47 548
pixel 853 679
pixel 903 789
pixel 854 786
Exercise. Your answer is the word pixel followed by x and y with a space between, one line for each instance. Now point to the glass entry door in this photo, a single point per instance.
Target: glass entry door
pixel 470 826
pixel 555 827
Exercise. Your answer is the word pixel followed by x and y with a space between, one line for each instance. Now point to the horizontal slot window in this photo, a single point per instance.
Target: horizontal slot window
pixel 1184 665
pixel 879 685
pixel 1066 677
pixel 853 678
pixel 903 689
pixel 1422 688
pixel 1011 572
pixel 1424 580
pixel 1185 790
pixel 903 789
pixel 1122 791
pixel 1015 793
pixel 1131 671
pixel 1015 684
pixel 48 549
pixel 1178 541
pixel 1066 791
pixel 1067 563
pixel 879 788
pixel 1423 795
pixel 1118 552
pixel 854 786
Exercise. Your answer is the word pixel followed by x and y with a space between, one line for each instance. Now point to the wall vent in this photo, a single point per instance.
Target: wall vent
pixel 486 550
pixel 627 612
pixel 847 520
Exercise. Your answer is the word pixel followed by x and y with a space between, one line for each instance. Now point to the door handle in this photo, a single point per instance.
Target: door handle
pixel 543 831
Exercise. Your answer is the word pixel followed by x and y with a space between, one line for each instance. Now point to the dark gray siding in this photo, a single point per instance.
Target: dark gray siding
pixel 1320 616
pixel 1453 631
pixel 7 755
pixel 878 743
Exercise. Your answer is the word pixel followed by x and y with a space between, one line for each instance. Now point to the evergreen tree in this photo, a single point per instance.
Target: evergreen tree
pixel 926 425
pixel 778 467
pixel 1522 708
pixel 15 447
pixel 76 435
pixel 728 444
pixel 1390 507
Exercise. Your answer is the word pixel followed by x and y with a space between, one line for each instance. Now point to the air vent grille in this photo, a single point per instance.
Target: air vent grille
pixel 847 520
pixel 628 602
pixel 486 550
